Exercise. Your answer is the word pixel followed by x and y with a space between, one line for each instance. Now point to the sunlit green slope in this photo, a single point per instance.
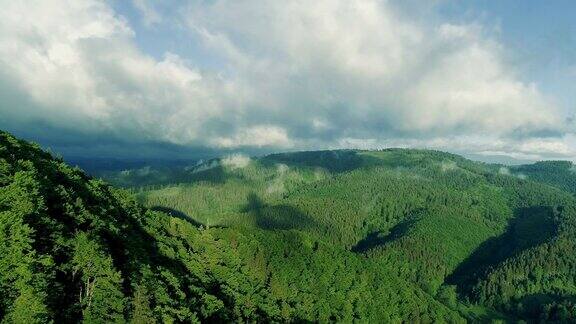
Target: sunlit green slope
pixel 74 249
pixel 444 223
pixel 331 236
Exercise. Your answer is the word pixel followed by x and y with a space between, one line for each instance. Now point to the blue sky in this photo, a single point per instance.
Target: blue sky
pixel 541 36
pixel 184 78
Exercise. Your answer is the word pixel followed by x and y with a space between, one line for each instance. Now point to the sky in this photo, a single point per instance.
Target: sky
pixel 146 78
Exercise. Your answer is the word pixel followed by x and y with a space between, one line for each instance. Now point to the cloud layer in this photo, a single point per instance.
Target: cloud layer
pixel 290 75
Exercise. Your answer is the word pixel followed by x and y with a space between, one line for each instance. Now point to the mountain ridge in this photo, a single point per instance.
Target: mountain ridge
pixel 394 235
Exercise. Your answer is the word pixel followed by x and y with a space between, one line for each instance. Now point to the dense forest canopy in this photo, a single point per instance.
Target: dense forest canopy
pixel 329 236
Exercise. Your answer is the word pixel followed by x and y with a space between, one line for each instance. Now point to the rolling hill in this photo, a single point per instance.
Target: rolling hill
pixel 327 236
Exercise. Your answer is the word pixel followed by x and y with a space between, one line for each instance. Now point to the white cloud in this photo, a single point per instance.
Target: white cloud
pixel 521 176
pixel 282 168
pixel 504 171
pixel 277 185
pixel 259 136
pixel 446 166
pixel 359 66
pixel 150 15
pixel 236 161
pixel 78 63
pixel 42 51
pixel 296 74
pixel 202 166
pixel 488 145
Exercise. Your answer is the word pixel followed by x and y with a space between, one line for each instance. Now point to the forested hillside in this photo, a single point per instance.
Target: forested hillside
pixel 561 174
pixel 330 236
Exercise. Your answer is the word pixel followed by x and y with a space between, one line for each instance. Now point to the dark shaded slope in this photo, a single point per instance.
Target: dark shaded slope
pixel 530 227
pixel 539 282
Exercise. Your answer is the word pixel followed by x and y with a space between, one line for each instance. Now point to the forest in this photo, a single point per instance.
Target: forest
pixel 389 236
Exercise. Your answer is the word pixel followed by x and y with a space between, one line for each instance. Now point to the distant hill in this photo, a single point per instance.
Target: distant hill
pixel 497 159
pixel 325 236
pixel 560 174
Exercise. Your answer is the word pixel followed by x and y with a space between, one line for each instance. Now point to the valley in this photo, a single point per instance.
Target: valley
pixel 381 236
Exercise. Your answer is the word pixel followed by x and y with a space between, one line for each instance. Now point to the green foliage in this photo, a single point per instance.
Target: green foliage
pixel 431 219
pixel 73 248
pixel 332 236
pixel 101 297
pixel 560 174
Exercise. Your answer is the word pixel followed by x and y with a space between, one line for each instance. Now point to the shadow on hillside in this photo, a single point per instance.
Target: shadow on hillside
pixel 378 238
pixel 176 213
pixel 534 305
pixel 276 217
pixel 530 227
